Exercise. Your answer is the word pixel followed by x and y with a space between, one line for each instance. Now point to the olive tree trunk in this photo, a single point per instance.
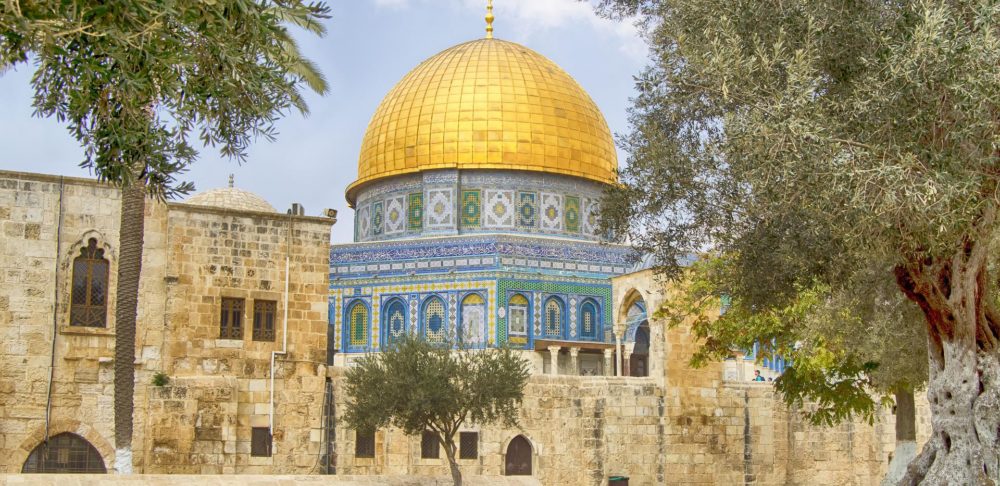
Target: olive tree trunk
pixel 130 235
pixel 450 451
pixel 964 381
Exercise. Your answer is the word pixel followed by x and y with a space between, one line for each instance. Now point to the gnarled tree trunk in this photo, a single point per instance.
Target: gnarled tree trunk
pixel 964 382
pixel 130 236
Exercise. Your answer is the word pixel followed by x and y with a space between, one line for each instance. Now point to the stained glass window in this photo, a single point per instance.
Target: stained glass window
pixel 553 317
pixel 358 325
pixel 473 319
pixel 89 296
pixel 589 323
pixel 517 315
pixel 395 320
pixel 434 325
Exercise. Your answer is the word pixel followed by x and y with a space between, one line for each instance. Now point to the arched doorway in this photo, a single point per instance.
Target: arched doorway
pixel 64 453
pixel 517 462
pixel 639 361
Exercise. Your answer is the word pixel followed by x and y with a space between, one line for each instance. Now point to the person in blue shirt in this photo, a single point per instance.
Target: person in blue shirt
pixel 756 376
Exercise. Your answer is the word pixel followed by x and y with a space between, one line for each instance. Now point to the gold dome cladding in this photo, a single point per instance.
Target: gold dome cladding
pixel 487 104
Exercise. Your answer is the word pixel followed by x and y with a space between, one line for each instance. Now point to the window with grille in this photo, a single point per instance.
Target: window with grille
pixel 588 321
pixel 89 296
pixel 430 448
pixel 364 444
pixel 64 453
pixel 553 317
pixel 231 318
pixel 263 319
pixel 358 325
pixel 468 445
pixel 260 442
pixel 434 325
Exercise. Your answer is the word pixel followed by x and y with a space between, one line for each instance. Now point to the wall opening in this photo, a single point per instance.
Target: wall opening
pixel 64 453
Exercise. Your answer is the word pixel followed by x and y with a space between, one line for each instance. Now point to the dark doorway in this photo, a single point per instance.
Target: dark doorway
pixel 518 459
pixel 639 361
pixel 64 453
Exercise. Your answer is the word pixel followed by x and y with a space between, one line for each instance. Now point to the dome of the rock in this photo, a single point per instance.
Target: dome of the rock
pixel 487 104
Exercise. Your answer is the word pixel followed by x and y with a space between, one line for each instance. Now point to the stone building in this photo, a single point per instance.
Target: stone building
pixel 476 204
pixel 232 310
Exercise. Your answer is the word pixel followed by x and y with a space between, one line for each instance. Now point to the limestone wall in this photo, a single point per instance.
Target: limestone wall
pixel 220 388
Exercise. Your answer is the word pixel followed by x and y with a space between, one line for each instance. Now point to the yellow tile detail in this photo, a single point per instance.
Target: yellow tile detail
pixel 487 104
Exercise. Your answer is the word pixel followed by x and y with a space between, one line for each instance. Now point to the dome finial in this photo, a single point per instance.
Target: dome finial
pixel 232 180
pixel 489 19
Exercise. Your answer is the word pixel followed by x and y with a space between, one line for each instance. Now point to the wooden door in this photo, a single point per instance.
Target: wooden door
pixel 518 458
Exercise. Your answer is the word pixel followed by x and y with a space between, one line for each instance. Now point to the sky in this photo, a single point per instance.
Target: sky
pixel 369 46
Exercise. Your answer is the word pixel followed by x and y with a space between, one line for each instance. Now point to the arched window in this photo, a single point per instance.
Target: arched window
pixel 473 319
pixel 394 321
pixel 517 315
pixel 357 325
pixel 553 317
pixel 590 321
pixel 435 329
pixel 90 288
pixel 64 453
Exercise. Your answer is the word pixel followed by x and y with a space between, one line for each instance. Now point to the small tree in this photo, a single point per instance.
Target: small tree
pixel 421 386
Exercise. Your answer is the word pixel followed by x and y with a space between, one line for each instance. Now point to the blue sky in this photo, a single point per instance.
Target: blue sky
pixel 369 46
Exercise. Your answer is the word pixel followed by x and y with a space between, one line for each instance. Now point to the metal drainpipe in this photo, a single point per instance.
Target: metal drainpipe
pixel 284 332
pixel 55 313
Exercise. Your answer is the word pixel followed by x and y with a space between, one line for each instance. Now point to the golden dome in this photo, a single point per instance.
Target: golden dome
pixel 487 104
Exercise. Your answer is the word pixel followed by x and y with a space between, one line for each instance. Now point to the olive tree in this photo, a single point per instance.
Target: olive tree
pixel 815 144
pixel 419 386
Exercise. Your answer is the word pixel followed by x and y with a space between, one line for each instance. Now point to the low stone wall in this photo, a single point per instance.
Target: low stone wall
pixel 250 480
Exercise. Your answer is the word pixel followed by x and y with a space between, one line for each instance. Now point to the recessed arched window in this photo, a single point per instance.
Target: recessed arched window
pixel 357 325
pixel 435 329
pixel 517 315
pixel 553 317
pixel 64 453
pixel 473 328
pixel 394 321
pixel 90 288
pixel 590 321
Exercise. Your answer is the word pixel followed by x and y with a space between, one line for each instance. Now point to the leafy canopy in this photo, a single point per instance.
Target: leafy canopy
pixel 417 385
pixel 134 79
pixel 812 147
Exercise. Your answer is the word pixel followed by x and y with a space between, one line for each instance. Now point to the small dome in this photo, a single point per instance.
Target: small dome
pixel 232 198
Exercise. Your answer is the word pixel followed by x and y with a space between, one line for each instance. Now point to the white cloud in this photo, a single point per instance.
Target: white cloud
pixel 521 19
pixel 527 17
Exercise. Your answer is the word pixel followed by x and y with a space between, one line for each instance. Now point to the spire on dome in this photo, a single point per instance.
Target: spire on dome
pixel 232 180
pixel 489 19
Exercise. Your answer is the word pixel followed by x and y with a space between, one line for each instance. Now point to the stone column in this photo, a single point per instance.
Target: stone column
pixel 626 366
pixel 618 352
pixel 573 352
pixel 554 359
pixel 609 364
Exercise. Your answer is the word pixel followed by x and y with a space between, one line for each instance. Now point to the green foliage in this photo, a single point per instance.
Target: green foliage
pixel 160 379
pixel 417 385
pixel 135 80
pixel 815 147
